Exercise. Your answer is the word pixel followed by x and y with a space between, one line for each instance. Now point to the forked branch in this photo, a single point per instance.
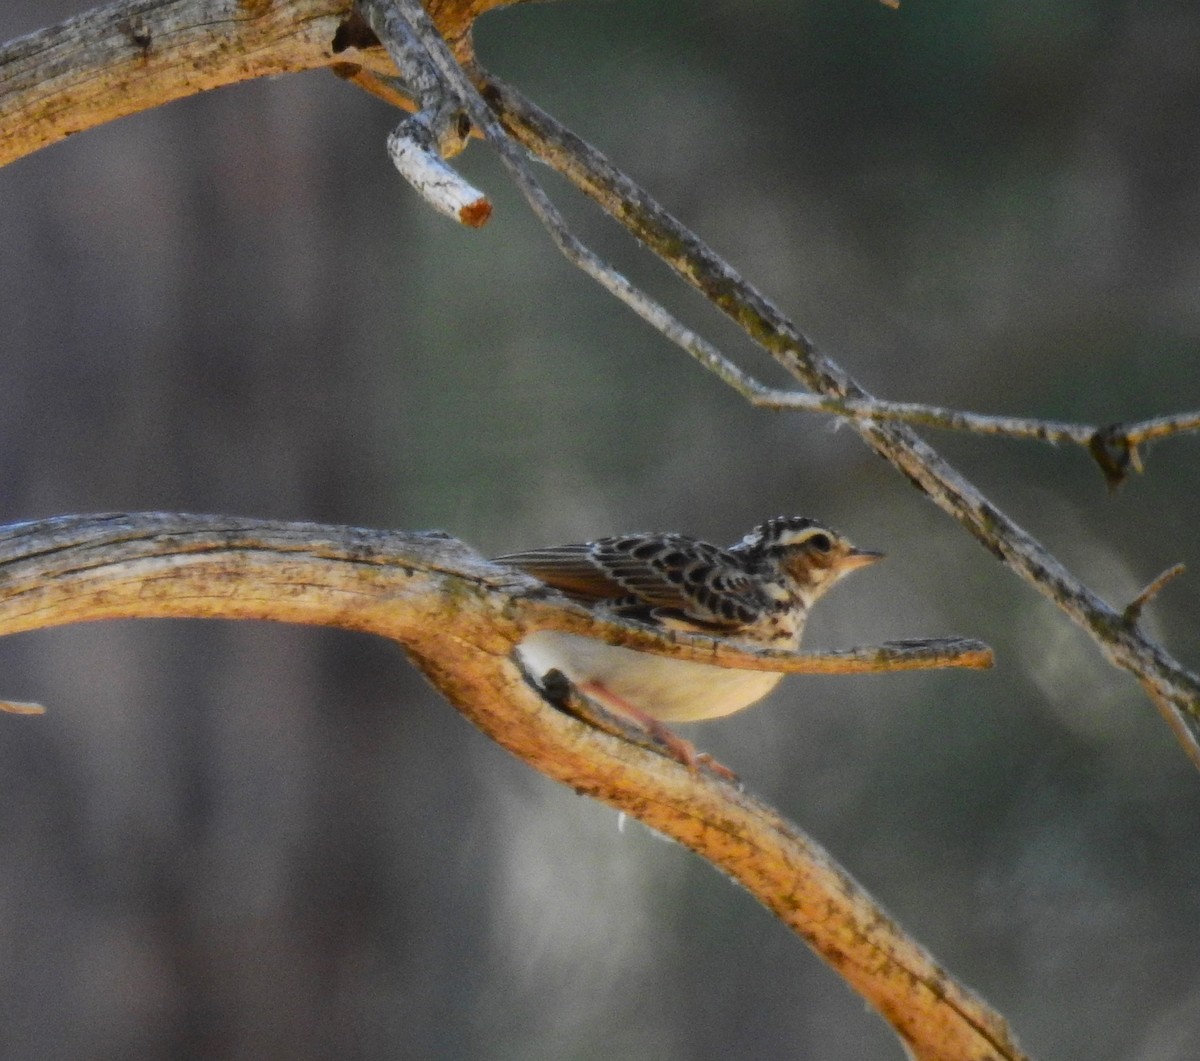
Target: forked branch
pixel 459 618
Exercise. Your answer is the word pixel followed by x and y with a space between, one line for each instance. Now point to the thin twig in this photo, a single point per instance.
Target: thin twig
pixel 906 655
pixel 1114 447
pixel 21 707
pixel 1053 431
pixel 1161 427
pixel 1179 724
pixel 1133 610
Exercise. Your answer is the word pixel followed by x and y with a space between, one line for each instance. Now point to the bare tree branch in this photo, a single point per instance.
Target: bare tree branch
pixel 459 618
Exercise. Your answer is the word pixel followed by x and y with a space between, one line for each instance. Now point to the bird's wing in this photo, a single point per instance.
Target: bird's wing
pixel 568 569
pixel 661 576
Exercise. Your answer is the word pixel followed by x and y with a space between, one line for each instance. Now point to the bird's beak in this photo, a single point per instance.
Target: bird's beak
pixel 857 558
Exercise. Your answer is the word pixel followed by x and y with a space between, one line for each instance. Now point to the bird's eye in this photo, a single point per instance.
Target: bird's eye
pixel 821 542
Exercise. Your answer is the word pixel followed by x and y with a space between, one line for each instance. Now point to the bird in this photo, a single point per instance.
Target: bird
pixel 757 591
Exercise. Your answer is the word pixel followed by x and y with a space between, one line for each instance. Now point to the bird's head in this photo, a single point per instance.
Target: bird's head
pixel 807 553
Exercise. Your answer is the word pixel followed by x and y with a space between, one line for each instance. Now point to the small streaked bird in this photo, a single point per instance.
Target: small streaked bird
pixel 758 591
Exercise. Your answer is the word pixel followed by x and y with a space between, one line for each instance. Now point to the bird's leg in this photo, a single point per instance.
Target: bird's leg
pixel 681 750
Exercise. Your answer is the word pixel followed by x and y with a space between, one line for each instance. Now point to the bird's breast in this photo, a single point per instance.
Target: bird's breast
pixel 671 690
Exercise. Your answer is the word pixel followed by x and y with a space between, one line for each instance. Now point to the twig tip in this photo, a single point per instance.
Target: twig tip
pixel 983 659
pixel 21 707
pixel 1133 611
pixel 475 214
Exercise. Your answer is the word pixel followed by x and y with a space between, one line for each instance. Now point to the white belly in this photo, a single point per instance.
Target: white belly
pixel 670 690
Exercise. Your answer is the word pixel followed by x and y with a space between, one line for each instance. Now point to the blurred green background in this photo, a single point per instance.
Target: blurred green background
pixel 251 841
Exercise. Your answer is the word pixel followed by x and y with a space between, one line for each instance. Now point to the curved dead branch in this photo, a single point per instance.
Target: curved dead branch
pixel 459 617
